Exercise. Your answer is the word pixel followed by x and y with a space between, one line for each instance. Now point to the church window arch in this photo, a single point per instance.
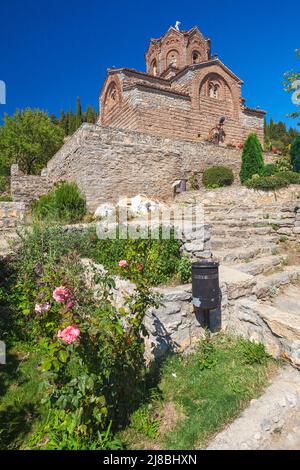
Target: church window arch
pixel 195 57
pixel 172 58
pixel 153 67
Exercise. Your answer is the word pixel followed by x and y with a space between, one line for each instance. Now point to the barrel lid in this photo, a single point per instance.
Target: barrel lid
pixel 205 264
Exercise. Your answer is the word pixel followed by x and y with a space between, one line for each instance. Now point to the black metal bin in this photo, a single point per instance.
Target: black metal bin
pixel 206 293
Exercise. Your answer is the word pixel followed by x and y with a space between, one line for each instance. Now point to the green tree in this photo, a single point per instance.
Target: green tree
pixel 30 139
pixel 63 122
pixel 78 119
pixel 295 154
pixel 71 120
pixel 292 85
pixel 252 158
pixel 90 115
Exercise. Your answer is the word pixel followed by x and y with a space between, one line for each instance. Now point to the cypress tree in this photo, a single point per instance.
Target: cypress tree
pixel 71 119
pixel 78 119
pixel 252 158
pixel 63 122
pixel 90 115
pixel 295 154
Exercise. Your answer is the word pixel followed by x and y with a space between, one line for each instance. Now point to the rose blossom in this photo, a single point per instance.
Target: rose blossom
pixel 140 267
pixel 61 294
pixel 70 304
pixel 123 263
pixel 69 334
pixel 40 308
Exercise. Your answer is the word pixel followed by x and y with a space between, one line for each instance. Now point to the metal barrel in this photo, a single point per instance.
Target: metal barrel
pixel 205 285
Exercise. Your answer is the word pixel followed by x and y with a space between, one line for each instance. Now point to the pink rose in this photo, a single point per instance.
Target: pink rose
pixel 123 263
pixel 70 304
pixel 62 294
pixel 69 334
pixel 40 308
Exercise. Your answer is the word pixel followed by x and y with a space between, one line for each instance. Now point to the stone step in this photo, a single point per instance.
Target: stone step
pixel 288 300
pixel 267 286
pixel 236 255
pixel 236 242
pixel 255 219
pixel 238 284
pixel 219 231
pixel 283 325
pixel 257 223
pixel 261 265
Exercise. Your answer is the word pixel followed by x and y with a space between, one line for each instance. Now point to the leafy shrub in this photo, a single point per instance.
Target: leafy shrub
pixel 4 183
pixel 252 158
pixel 284 163
pixel 64 204
pixel 295 154
pixel 5 198
pixel 217 177
pixel 279 180
pixel 184 269
pixel 269 170
pixel 290 176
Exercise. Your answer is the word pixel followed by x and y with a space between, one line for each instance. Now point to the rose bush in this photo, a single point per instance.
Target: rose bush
pixel 92 355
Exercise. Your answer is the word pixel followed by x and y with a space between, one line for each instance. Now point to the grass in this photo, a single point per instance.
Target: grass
pixel 20 397
pixel 204 392
pixel 194 396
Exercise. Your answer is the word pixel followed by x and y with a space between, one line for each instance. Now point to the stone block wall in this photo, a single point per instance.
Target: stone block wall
pixel 26 188
pixel 109 163
pixel 11 213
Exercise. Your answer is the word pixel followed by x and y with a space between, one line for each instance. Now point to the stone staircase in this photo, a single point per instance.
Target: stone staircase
pixel 261 303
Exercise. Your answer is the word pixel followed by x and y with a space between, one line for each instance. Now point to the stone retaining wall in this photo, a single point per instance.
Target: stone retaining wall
pixel 109 163
pixel 11 213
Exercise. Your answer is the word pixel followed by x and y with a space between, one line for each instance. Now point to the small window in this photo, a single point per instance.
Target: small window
pixel 214 90
pixel 153 67
pixel 172 58
pixel 196 57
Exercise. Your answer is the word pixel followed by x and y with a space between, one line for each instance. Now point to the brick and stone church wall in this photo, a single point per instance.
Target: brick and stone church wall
pixel 180 108
pixel 108 163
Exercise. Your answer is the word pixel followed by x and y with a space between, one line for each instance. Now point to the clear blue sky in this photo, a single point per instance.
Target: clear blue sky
pixel 52 51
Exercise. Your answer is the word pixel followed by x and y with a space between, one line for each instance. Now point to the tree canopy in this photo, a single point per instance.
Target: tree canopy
pixel 29 138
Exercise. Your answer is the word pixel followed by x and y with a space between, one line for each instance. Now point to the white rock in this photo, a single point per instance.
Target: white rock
pixel 104 210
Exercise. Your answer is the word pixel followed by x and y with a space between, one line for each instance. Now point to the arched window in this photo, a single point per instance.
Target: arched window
pixel 172 58
pixel 112 96
pixel 195 57
pixel 153 67
pixel 214 90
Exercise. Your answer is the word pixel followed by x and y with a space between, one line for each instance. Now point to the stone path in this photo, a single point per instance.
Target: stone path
pixel 270 422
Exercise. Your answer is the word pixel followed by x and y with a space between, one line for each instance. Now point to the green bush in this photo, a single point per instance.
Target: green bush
pixel 64 204
pixel 158 260
pixel 270 169
pixel 284 163
pixel 5 199
pixel 279 180
pixel 4 183
pixel 217 177
pixel 252 159
pixel 295 154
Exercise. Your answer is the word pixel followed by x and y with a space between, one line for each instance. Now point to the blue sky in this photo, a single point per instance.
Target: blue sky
pixel 52 51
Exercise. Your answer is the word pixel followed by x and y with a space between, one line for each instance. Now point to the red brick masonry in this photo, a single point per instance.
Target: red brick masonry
pixel 183 94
